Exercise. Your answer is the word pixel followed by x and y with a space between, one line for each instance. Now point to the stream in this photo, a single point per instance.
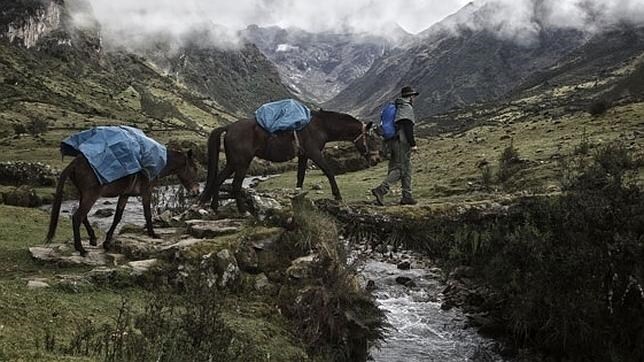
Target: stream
pixel 421 330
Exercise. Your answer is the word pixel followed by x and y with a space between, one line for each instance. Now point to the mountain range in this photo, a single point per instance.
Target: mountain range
pixel 50 59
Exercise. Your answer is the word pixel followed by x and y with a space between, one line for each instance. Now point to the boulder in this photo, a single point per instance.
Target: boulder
pixel 208 229
pixel 64 255
pixel 247 259
pixel 262 283
pixel 141 267
pixel 302 268
pixel 37 284
pixel 229 270
pixel 142 247
pixel 264 206
pixel 406 281
pixel 103 213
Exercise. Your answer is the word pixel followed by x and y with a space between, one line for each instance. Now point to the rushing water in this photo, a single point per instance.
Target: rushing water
pixel 421 330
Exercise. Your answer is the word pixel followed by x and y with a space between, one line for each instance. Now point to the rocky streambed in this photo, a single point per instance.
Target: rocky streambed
pixel 408 286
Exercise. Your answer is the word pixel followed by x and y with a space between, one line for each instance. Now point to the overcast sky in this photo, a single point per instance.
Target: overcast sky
pixel 314 15
pixel 131 21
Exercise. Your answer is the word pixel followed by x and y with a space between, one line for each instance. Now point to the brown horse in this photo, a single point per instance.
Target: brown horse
pixel 245 139
pixel 90 189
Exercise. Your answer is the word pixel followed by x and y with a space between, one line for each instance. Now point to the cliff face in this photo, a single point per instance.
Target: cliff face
pixel 26 22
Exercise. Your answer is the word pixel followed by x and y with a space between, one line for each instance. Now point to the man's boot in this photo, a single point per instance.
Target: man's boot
pixel 379 193
pixel 408 201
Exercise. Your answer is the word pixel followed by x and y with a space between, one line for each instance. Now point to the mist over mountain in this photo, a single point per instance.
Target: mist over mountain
pixel 317 66
pixel 480 53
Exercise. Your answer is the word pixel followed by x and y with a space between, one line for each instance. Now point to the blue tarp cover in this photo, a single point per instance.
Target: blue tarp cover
pixel 284 115
pixel 115 152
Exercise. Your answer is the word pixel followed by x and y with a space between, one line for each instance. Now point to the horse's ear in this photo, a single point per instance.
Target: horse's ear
pixel 369 125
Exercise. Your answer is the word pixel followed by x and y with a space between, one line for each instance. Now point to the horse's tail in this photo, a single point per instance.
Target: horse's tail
pixel 58 200
pixel 214 143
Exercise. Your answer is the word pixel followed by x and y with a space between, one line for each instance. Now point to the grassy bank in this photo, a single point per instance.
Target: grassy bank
pixel 565 271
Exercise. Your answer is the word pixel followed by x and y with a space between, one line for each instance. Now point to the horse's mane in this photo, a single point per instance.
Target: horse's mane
pixel 330 115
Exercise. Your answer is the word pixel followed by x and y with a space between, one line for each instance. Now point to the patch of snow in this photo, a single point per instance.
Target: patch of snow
pixel 286 48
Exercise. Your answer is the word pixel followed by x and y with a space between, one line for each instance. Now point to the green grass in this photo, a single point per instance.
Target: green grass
pixel 445 165
pixel 27 315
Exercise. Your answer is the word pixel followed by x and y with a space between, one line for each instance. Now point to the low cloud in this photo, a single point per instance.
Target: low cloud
pixel 134 23
pixel 523 20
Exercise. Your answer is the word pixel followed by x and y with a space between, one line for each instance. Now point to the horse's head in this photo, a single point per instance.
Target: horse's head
pixel 187 173
pixel 366 144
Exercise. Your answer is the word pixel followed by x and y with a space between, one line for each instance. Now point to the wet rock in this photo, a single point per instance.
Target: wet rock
pixel 208 229
pixel 301 268
pixel 103 213
pixel 404 265
pixel 371 285
pixel 403 280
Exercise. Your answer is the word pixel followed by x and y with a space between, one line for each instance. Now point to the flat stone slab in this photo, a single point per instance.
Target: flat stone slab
pixel 65 255
pixel 208 229
pixel 141 247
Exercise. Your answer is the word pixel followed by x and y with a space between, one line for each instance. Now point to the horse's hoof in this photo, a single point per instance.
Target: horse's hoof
pixel 155 236
pixel 83 253
pixel 93 242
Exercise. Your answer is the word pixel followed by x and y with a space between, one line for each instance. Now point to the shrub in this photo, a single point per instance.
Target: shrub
pixel 335 316
pixel 599 107
pixel 509 163
pixel 170 328
pixel 19 128
pixel 36 127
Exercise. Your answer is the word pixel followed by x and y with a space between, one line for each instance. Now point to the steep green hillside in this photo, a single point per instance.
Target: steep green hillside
pixel 69 94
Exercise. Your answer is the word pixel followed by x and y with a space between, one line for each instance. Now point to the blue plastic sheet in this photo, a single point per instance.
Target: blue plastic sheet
pixel 116 152
pixel 284 115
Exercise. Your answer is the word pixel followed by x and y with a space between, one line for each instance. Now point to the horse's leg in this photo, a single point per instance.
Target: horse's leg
pixel 238 180
pixel 146 198
pixel 302 160
pixel 318 159
pixel 117 218
pixel 87 200
pixel 90 232
pixel 223 175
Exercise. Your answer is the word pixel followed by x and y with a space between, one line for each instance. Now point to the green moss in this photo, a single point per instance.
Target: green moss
pixel 260 326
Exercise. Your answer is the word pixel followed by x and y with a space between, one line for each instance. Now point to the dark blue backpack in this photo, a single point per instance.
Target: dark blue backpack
pixel 387 121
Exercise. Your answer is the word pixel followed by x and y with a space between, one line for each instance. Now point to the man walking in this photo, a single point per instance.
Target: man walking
pixel 401 147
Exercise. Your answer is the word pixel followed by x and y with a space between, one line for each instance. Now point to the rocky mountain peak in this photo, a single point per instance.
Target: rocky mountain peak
pixel 56 26
pixel 26 22
pixel 317 66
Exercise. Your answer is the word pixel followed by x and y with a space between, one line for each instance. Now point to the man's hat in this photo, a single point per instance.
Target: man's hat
pixel 408 91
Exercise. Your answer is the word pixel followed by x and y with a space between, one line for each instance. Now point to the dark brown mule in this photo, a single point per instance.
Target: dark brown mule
pixel 90 189
pixel 245 139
